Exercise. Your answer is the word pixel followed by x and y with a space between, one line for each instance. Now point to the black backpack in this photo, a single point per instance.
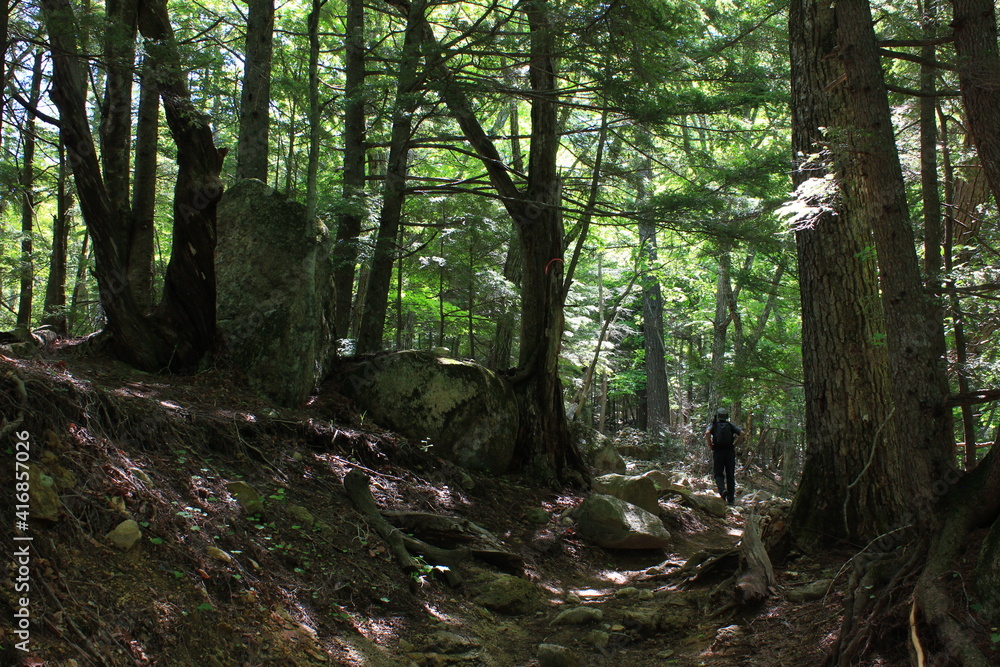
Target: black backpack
pixel 723 435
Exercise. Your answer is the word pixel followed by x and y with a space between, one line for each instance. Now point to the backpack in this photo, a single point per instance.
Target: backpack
pixel 723 435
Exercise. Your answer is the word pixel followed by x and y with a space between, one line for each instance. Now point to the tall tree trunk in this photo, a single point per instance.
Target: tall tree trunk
pixel 142 236
pixel 873 181
pixel 116 110
pixel 349 223
pixel 187 312
pixel 55 289
pixel 407 100
pixel 847 398
pixel 720 323
pixel 28 202
pixel 185 326
pixel 657 389
pixel 544 443
pixel 975 29
pixel 4 44
pixel 255 99
pixel 312 168
pixel 79 286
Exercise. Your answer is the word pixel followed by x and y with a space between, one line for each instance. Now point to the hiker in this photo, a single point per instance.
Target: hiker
pixel 723 437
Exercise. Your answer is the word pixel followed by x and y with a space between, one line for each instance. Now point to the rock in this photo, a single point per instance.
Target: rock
pixel 505 593
pixel 218 554
pixel 637 444
pixel 465 412
pixel 43 499
pixel 652 620
pixel 578 616
pixel 447 642
pixel 608 458
pixel 711 504
pixel 125 535
pixel 553 655
pixel 274 282
pixel 627 592
pixel 813 591
pixel 246 496
pixel 660 479
pixel 544 541
pixel 537 515
pixel 638 490
pixel 62 478
pixel 646 594
pixel 301 515
pixel 616 524
pixel 598 638
pixel 573 598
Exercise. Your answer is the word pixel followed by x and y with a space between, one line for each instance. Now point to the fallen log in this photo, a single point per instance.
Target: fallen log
pixel 754 583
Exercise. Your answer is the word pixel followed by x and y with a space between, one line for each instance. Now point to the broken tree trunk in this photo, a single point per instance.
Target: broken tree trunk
pixel 754 584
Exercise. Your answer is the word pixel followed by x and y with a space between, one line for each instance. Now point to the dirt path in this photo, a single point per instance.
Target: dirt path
pixel 306 581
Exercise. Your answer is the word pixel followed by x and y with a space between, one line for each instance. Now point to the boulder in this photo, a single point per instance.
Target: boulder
pixel 464 412
pixel 616 524
pixel 608 458
pixel 274 280
pixel 636 489
pixel 505 593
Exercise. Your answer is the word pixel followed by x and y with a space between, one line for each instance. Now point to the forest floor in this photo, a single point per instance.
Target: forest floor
pixel 307 581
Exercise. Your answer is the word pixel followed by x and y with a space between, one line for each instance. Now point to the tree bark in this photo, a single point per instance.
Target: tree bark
pixel 657 389
pixel 187 312
pixel 55 289
pixel 349 224
pixel 407 100
pixel 312 167
pixel 115 130
pixel 255 99
pixel 873 181
pixel 27 271
pixel 185 324
pixel 844 365
pixel 975 28
pixel 142 231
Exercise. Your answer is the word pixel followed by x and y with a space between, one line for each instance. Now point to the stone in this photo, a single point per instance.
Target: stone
pixel 580 615
pixel 42 497
pixel 218 554
pixel 537 515
pixel 464 412
pixel 627 592
pixel 608 458
pixel 710 504
pixel 813 591
pixel 246 496
pixel 598 638
pixel 636 489
pixel 301 516
pixel 274 282
pixel 613 523
pixel 553 655
pixel 444 641
pixel 505 593
pixel 125 535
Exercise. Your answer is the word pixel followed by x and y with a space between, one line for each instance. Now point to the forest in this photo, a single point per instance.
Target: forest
pixel 622 214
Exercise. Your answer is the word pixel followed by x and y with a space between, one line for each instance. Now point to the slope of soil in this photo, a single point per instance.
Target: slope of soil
pixel 307 581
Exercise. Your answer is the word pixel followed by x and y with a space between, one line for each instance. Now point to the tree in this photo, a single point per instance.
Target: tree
pixel 28 202
pixel 975 29
pixel 844 366
pixel 544 443
pixel 407 101
pixel 349 222
pixel 255 98
pixel 183 328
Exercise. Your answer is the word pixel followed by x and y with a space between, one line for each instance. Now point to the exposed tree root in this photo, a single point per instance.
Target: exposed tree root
pixel 897 596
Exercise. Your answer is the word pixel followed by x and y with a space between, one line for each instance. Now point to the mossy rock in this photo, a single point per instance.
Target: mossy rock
pixel 462 411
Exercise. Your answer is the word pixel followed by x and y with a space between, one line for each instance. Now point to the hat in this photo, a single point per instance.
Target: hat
pixel 722 412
